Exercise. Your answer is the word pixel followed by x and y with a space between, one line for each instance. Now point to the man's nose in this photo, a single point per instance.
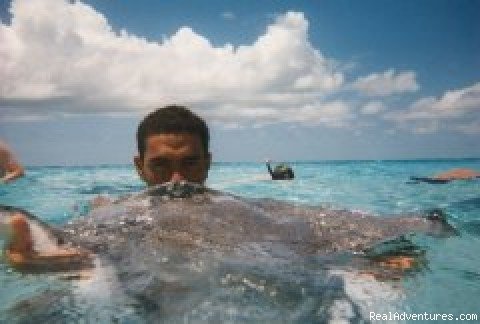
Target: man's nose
pixel 177 177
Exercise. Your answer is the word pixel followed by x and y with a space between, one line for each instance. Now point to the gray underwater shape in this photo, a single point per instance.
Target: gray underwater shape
pixel 180 252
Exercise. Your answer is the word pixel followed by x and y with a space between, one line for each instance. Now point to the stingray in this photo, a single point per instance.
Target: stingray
pixel 448 176
pixel 180 252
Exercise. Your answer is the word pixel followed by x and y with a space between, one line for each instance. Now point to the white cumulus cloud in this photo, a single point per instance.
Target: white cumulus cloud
pixel 456 110
pixel 386 83
pixel 452 104
pixel 63 58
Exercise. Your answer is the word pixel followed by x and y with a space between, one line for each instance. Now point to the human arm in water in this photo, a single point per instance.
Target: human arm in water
pixel 269 167
pixel 21 251
pixel 15 173
pixel 9 166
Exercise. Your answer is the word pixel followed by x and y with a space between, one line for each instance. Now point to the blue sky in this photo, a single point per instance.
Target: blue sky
pixel 290 80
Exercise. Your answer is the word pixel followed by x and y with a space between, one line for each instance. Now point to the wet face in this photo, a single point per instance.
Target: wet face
pixel 173 157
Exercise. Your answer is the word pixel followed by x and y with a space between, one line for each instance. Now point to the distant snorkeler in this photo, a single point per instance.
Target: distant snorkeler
pixel 281 171
pixel 448 176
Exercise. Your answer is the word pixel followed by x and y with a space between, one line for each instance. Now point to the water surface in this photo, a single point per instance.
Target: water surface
pixel 450 284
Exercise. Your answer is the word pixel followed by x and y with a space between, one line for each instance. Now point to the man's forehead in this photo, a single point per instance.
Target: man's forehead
pixel 173 140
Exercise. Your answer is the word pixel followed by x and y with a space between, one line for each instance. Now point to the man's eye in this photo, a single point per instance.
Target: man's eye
pixel 157 167
pixel 191 162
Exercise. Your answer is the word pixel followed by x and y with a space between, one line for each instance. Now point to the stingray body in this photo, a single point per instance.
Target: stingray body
pixel 181 252
pixel 448 176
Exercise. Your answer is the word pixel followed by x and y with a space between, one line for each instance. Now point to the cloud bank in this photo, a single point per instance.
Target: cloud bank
pixel 68 54
pixel 59 58
pixel 456 110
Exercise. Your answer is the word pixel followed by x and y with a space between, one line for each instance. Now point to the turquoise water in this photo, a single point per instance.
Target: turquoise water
pixel 451 284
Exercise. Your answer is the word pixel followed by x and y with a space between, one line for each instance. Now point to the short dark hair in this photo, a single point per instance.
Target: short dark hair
pixel 171 119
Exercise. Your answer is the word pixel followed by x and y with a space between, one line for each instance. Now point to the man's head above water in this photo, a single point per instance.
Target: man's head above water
pixel 172 145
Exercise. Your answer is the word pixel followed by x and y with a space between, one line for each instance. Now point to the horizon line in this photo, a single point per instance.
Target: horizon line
pixel 309 161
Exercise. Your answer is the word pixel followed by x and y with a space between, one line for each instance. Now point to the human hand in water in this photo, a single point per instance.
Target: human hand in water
pixel 14 172
pixel 21 254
